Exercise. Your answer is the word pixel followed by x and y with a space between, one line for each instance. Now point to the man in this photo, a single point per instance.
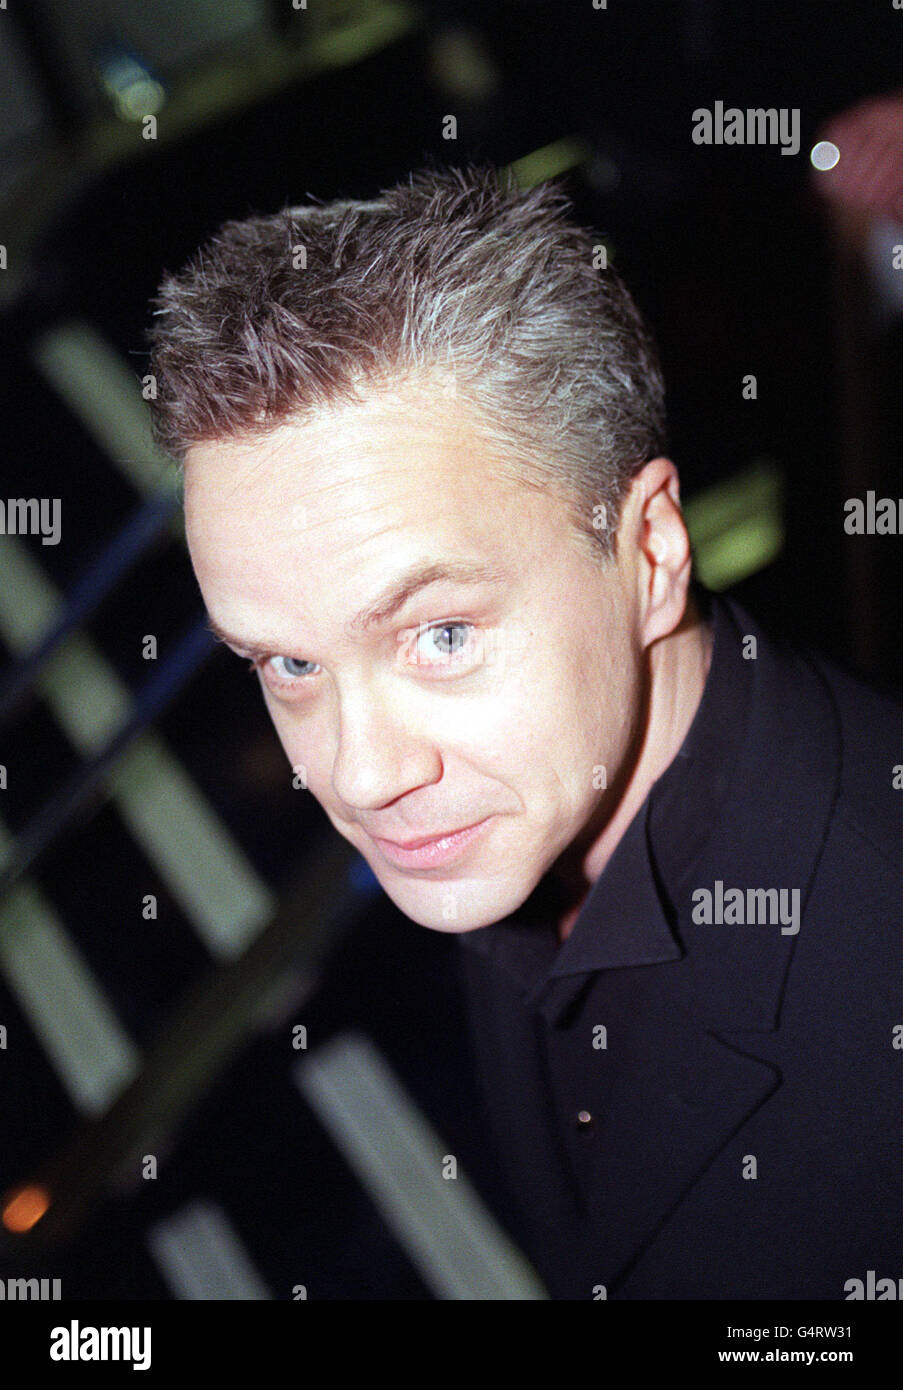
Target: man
pixel 427 496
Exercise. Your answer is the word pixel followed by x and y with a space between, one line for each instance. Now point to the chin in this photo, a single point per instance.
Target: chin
pixel 426 903
pixel 434 923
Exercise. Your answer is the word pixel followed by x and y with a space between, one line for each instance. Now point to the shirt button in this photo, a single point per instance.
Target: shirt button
pixel 584 1119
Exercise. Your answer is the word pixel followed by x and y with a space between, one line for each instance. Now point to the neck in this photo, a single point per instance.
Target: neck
pixel 677 671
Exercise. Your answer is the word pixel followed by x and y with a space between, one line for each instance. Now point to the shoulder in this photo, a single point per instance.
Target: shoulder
pixel 854 730
pixel 870 792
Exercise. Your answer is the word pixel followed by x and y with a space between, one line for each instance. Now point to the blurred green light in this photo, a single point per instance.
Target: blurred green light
pixel 549 161
pixel 142 98
pixel 737 527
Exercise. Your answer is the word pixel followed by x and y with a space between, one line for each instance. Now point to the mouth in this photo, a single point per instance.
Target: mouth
pixel 430 850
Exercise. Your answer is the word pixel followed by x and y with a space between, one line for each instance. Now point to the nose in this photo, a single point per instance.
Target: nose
pixel 379 754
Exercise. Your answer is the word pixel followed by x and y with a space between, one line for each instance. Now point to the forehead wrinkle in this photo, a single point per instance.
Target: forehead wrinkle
pixel 261 450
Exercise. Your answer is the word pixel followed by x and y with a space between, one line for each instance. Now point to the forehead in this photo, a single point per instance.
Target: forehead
pixel 406 457
pixel 323 513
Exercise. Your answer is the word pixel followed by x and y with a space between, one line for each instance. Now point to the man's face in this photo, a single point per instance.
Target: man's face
pixel 498 701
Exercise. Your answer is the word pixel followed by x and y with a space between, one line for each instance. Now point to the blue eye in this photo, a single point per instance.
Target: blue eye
pixel 449 645
pixel 294 668
pixel 446 640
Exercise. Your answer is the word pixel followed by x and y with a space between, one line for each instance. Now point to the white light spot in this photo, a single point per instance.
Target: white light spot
pixel 824 155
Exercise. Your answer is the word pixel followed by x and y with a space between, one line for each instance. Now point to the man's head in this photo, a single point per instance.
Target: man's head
pixel 442 383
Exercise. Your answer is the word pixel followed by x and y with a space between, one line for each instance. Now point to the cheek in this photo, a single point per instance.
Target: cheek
pixel 295 739
pixel 623 712
pixel 305 754
pixel 598 709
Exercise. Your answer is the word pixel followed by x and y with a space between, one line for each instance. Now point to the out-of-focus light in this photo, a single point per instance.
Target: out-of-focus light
pixel 133 90
pixel 824 155
pixel 549 161
pixel 461 65
pixel 737 527
pixel 24 1208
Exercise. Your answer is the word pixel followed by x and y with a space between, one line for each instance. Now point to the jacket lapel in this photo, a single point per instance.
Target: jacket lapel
pixel 677 1097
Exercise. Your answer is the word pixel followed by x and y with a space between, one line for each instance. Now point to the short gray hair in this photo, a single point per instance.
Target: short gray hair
pixel 452 274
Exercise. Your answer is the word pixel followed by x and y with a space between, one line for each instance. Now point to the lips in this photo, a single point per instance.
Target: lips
pixel 433 852
pixel 425 839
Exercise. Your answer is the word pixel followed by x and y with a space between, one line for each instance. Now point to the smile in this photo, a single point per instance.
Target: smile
pixel 427 853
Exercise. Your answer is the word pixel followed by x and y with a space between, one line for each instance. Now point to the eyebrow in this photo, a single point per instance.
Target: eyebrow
pixel 395 596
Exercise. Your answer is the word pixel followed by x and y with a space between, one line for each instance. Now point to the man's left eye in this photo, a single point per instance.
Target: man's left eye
pixel 441 643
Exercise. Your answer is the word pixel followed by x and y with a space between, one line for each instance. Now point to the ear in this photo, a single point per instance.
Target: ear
pixel 653 530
